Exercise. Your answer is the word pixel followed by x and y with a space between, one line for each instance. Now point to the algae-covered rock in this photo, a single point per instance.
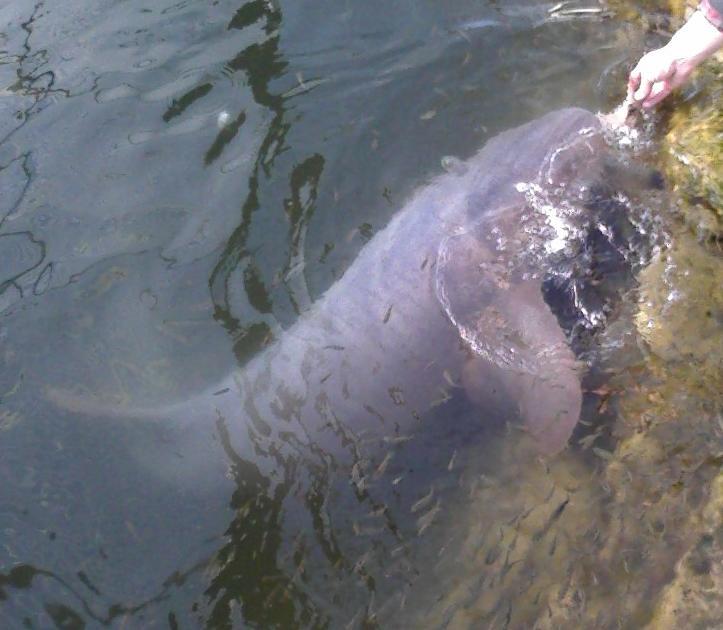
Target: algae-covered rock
pixel 666 469
pixel 694 599
pixel 693 156
pixel 692 148
pixel 681 305
pixel 526 529
pixel 668 454
pixel 651 14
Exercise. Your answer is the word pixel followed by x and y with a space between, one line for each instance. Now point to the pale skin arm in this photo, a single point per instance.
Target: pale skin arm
pixel 661 71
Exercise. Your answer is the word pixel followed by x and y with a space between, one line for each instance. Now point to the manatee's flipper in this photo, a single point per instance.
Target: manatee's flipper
pixel 550 404
pixel 549 393
pixel 472 272
pixel 519 351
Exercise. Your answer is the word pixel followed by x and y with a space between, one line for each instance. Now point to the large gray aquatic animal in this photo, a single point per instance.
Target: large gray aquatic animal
pixel 447 295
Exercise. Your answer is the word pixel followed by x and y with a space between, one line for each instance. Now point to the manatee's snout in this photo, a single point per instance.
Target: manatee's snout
pixel 627 114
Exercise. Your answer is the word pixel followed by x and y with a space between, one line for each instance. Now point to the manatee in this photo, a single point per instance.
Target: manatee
pixel 448 296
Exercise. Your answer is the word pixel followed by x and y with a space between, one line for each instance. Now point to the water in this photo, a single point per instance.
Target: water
pixel 179 182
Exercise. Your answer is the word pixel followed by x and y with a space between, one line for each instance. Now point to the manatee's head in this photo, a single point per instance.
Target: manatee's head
pixel 516 225
pixel 560 151
pixel 575 163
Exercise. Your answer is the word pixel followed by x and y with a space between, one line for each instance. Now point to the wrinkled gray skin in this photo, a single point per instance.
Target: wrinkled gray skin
pixel 379 349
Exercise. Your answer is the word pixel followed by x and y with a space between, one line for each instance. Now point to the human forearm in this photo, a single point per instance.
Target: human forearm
pixel 697 40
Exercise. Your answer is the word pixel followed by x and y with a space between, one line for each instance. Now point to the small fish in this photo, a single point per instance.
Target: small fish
pixel 450 466
pixel 423 522
pixel 365 531
pixel 383 466
pixel 557 7
pixel 448 377
pixel 587 441
pixel 397 439
pixel 442 399
pixel 583 11
pixel 423 502
pixel 474 25
pixel 602 453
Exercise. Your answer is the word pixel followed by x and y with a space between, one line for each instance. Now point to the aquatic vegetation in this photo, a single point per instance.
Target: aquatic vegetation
pixel 650 13
pixel 692 599
pixel 693 153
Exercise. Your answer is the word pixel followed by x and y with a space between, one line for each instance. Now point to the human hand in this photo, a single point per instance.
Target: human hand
pixel 656 75
pixel 660 71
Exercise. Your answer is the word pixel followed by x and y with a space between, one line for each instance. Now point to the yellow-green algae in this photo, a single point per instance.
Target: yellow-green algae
pixel 665 474
pixel 694 158
pixel 525 551
pixel 693 599
pixel 692 152
pixel 680 310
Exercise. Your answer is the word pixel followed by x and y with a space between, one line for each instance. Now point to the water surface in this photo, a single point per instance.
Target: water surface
pixel 179 181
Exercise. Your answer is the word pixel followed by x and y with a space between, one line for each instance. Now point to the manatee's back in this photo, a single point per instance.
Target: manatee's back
pixel 379 340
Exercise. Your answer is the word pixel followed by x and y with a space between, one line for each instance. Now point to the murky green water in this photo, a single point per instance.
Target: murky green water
pixel 179 181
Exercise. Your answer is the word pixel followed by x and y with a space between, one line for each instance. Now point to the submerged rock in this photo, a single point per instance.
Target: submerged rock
pixel 693 154
pixel 693 599
pixel 680 309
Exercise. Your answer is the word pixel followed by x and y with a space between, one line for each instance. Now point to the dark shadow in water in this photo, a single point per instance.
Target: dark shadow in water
pixel 23 576
pixel 178 106
pixel 247 566
pixel 32 80
pixel 247 569
pixel 299 210
pixel 35 83
pixel 224 137
pixel 262 64
pixel 21 254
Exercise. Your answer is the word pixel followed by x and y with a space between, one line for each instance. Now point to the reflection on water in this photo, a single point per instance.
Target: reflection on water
pixel 179 182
